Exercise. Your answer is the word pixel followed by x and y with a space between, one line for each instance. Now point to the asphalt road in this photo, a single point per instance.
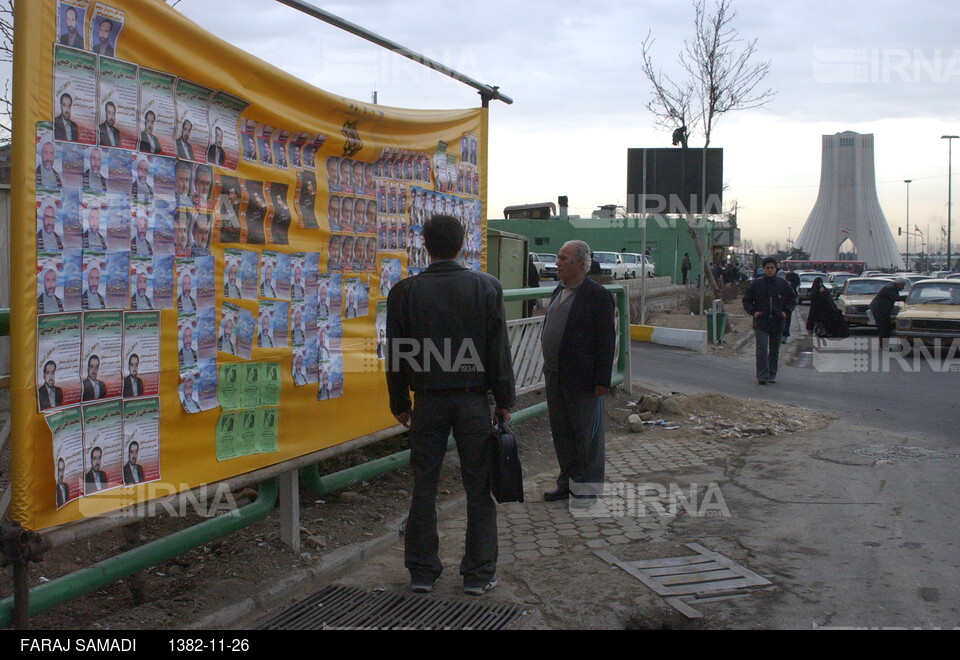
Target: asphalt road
pixel 907 396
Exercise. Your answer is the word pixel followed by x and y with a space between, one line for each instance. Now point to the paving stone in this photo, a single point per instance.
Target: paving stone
pixel 597 543
pixel 528 554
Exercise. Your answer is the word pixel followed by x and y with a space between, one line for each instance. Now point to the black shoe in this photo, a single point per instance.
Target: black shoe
pixel 556 495
pixel 479 590
pixel 761 381
pixel 771 380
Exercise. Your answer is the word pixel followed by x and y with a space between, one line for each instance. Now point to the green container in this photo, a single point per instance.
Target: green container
pixel 721 326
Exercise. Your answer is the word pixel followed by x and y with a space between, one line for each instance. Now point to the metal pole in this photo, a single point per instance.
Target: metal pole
pixel 643 244
pixel 907 181
pixel 487 92
pixel 949 139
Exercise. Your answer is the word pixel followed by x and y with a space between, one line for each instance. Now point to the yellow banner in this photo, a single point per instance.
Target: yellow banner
pixel 207 246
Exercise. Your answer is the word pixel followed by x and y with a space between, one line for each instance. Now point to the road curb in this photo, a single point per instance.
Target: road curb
pixel 693 340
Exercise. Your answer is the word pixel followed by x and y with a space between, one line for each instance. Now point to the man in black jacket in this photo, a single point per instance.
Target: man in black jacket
pixel 768 300
pixel 447 341
pixel 578 344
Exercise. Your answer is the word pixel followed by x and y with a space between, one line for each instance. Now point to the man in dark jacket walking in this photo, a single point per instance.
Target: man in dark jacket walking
pixel 768 300
pixel 882 307
pixel 578 343
pixel 447 341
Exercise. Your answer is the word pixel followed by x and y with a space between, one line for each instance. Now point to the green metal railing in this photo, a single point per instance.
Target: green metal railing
pixel 318 484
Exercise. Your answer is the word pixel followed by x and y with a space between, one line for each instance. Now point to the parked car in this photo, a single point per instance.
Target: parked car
pixel 611 264
pixel 637 264
pixel 837 278
pixel 857 295
pixel 953 276
pixel 931 314
pixel 806 282
pixel 546 265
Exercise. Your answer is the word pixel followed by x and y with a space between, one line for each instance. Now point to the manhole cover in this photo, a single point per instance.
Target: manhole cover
pixel 905 454
pixel 337 608
pixel 699 578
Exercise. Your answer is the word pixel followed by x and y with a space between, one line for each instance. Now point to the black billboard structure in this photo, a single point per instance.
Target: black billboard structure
pixel 674 180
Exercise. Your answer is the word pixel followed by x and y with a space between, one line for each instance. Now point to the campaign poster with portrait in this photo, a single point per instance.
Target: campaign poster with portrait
pixel 157 112
pixel 187 356
pixel 189 397
pixel 75 97
pixel 58 360
pixel 268 271
pixel 66 427
pixel 207 333
pixel 249 274
pixel 118 168
pixel 102 355
pixel 118 279
pixel 206 385
pixel 49 163
pixel 117 104
pixel 192 129
pixel 269 423
pixel 225 112
pixel 228 386
pixel 390 275
pixel 141 441
pixel 50 282
pixel 268 309
pixel 106 24
pixel 141 283
pixel 72 279
pixel 163 287
pixel 141 349
pixel 228 426
pixel 102 445
pixel 71 19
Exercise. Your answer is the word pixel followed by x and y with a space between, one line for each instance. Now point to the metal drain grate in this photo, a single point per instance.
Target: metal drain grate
pixel 703 577
pixel 337 608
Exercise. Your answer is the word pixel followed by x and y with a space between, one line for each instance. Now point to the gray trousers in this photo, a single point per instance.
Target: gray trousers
pixel 768 353
pixel 434 415
pixel 577 426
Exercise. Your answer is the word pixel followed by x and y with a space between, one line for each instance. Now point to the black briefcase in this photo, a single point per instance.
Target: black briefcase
pixel 506 476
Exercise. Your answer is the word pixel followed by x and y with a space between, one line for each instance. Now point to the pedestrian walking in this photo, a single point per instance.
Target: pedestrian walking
pixel 768 299
pixel 824 319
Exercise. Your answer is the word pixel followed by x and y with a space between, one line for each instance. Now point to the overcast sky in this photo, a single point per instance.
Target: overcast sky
pixel 572 68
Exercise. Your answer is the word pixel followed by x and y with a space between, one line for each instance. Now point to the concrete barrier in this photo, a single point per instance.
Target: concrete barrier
pixel 694 340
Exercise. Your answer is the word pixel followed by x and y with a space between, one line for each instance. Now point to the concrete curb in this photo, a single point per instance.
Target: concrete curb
pixel 694 340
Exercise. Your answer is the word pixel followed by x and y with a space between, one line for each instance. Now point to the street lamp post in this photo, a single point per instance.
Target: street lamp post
pixel 907 181
pixel 949 139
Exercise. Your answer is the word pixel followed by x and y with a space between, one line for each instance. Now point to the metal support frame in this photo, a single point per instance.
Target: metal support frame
pixel 487 92
pixel 290 510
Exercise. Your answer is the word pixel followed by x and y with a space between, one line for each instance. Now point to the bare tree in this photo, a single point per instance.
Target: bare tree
pixel 720 77
pixel 6 55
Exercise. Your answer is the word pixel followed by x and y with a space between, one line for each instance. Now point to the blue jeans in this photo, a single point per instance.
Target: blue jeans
pixel 768 353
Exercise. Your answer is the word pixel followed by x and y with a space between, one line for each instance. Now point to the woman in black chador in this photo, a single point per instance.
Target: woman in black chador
pixel 824 319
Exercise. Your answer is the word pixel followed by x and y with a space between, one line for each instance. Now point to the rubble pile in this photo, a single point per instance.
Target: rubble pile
pixel 720 415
